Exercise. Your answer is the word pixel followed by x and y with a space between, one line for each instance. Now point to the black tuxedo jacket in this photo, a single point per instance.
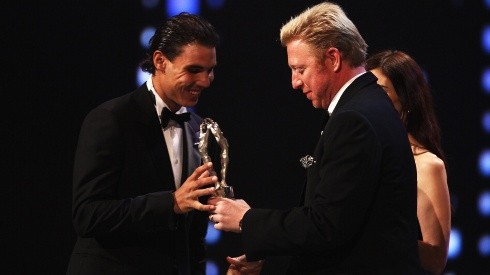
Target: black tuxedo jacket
pixel 122 194
pixel 358 214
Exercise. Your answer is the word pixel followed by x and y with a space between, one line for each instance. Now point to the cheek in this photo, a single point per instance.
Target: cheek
pixel 307 81
pixel 184 79
pixel 317 87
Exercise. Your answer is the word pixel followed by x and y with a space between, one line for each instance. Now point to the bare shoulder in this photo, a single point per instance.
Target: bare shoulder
pixel 431 171
pixel 429 162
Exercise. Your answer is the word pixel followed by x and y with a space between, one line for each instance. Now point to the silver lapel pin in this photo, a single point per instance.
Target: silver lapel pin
pixel 307 161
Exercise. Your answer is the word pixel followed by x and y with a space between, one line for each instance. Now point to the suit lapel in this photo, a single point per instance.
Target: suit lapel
pixel 192 159
pixel 151 131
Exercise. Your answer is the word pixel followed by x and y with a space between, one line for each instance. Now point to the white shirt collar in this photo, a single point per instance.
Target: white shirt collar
pixel 336 98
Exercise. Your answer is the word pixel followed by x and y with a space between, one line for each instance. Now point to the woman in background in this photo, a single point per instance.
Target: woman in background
pixel 404 82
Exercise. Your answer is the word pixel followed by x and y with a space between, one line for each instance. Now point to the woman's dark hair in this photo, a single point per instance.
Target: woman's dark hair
pixel 180 30
pixel 411 86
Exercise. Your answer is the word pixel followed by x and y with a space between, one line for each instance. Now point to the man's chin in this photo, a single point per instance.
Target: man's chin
pixel 316 105
pixel 190 103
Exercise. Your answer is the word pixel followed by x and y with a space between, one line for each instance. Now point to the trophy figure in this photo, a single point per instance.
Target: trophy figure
pixel 221 188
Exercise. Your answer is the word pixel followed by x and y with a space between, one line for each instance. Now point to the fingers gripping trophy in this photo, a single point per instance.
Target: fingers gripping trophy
pixel 208 125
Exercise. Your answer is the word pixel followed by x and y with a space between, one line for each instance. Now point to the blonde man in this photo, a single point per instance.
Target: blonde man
pixel 358 211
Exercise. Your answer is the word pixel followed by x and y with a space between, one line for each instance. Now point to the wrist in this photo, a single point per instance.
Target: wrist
pixel 177 210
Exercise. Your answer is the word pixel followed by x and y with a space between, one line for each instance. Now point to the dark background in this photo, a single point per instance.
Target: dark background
pixel 61 59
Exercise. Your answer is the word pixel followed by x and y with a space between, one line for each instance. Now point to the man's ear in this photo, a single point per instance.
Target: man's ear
pixel 160 61
pixel 333 58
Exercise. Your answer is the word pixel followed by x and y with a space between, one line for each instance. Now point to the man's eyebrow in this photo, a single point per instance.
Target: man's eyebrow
pixel 192 66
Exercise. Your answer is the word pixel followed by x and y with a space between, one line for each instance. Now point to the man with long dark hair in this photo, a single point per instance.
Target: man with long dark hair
pixel 137 175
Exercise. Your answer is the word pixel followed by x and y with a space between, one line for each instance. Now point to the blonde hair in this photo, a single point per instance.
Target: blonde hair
pixel 323 26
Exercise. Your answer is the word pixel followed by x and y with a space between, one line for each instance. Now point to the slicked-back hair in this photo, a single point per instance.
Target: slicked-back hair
pixel 176 32
pixel 413 90
pixel 323 26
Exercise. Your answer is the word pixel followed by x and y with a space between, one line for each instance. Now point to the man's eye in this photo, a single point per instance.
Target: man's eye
pixel 194 70
pixel 300 70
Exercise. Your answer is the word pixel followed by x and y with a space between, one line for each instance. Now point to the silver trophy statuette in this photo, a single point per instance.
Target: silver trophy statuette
pixel 221 188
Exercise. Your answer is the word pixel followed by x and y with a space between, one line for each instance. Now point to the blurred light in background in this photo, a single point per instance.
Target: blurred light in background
pixel 141 76
pixel 485 80
pixel 485 121
pixel 455 242
pixel 145 36
pixel 150 4
pixel 485 39
pixel 485 163
pixel 484 245
pixel 175 7
pixel 211 268
pixel 215 4
pixel 484 204
pixel 213 236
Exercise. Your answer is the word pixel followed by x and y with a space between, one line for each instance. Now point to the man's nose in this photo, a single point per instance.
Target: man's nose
pixel 296 83
pixel 205 79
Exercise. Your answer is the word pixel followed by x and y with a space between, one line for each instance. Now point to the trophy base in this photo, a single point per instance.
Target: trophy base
pixel 225 192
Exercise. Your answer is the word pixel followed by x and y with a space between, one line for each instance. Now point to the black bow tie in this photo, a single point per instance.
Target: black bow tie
pixel 167 115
